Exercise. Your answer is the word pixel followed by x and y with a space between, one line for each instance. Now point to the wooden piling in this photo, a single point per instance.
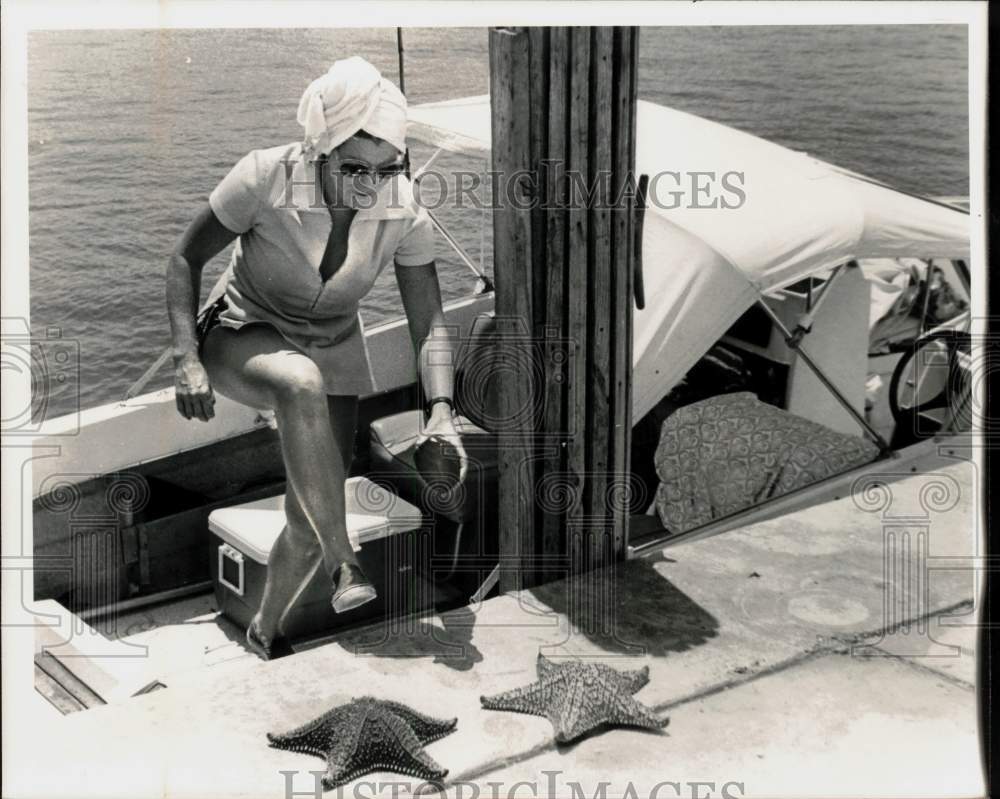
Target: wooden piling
pixel 563 104
pixel 511 118
pixel 575 309
pixel 625 90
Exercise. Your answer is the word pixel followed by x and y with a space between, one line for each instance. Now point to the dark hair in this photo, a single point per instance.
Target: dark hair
pixel 364 134
pixel 361 134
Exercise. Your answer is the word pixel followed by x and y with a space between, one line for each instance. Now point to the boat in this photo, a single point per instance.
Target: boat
pixel 787 289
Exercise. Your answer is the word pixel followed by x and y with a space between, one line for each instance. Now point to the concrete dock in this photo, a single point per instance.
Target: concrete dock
pixel 828 652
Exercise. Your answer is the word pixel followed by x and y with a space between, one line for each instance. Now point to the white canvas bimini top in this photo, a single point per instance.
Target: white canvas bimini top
pixel 703 267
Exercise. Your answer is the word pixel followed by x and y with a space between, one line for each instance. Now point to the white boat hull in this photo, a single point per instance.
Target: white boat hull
pixel 72 449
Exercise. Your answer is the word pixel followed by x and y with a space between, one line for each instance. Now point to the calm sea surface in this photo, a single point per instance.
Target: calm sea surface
pixel 130 130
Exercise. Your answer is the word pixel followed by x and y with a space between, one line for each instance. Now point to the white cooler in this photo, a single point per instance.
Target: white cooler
pixel 385 530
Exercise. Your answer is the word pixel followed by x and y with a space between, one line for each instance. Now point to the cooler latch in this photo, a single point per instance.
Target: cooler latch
pixel 231 568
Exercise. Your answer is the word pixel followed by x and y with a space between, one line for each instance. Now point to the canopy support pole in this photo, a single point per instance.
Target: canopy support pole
pixel 486 283
pixel 148 375
pixel 803 325
pixel 796 344
pixel 399 51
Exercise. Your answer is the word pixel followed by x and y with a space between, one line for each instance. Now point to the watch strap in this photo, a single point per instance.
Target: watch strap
pixel 435 400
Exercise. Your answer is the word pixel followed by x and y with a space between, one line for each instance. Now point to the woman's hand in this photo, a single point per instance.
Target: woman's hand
pixel 204 238
pixel 441 425
pixel 421 294
pixel 195 399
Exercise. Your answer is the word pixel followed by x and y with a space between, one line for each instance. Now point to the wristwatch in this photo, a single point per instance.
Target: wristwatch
pixel 435 400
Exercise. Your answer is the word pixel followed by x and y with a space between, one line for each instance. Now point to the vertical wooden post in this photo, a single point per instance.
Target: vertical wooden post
pixel 625 94
pixel 602 315
pixel 575 308
pixel 563 103
pixel 513 246
pixel 554 454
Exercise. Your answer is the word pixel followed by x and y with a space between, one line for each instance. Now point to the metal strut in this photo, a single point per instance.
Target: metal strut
pixel 804 323
pixel 487 284
pixel 794 341
pixel 148 375
pixel 399 49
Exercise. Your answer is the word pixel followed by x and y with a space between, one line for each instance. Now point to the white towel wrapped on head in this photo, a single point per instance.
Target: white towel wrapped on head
pixel 352 96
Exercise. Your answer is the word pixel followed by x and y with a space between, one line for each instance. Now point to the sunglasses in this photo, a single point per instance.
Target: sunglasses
pixel 356 169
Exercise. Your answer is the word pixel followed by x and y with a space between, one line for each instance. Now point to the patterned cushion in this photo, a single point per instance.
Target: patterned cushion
pixel 730 452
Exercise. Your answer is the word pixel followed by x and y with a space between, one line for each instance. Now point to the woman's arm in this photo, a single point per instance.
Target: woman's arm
pixel 432 341
pixel 205 237
pixel 418 286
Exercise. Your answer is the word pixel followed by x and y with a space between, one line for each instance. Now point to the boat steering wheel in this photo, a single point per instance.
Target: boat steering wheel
pixel 931 376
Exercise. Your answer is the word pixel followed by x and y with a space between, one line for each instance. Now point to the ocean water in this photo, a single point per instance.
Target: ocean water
pixel 129 131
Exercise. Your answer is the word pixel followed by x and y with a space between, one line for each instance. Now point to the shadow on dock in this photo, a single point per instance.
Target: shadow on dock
pixel 445 637
pixel 630 609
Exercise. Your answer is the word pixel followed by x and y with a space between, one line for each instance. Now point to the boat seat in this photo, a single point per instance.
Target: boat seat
pixel 726 454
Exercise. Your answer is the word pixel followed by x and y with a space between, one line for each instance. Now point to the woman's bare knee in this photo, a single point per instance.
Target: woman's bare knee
pixel 256 365
pixel 299 381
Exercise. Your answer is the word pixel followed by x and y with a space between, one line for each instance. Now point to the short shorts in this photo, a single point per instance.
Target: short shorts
pixel 209 318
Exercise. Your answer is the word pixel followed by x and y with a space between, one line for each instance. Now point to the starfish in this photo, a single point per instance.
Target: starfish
pixel 369 735
pixel 578 697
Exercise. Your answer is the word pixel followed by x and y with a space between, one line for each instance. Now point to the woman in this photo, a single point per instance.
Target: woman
pixel 316 222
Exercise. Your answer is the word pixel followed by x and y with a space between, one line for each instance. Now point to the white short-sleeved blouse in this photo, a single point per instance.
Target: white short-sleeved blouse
pixel 270 198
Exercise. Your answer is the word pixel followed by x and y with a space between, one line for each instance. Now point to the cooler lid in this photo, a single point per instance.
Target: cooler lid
pixel 372 513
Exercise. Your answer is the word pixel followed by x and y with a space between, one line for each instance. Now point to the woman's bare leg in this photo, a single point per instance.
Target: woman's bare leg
pixel 257 367
pixel 294 559
pixel 297 553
